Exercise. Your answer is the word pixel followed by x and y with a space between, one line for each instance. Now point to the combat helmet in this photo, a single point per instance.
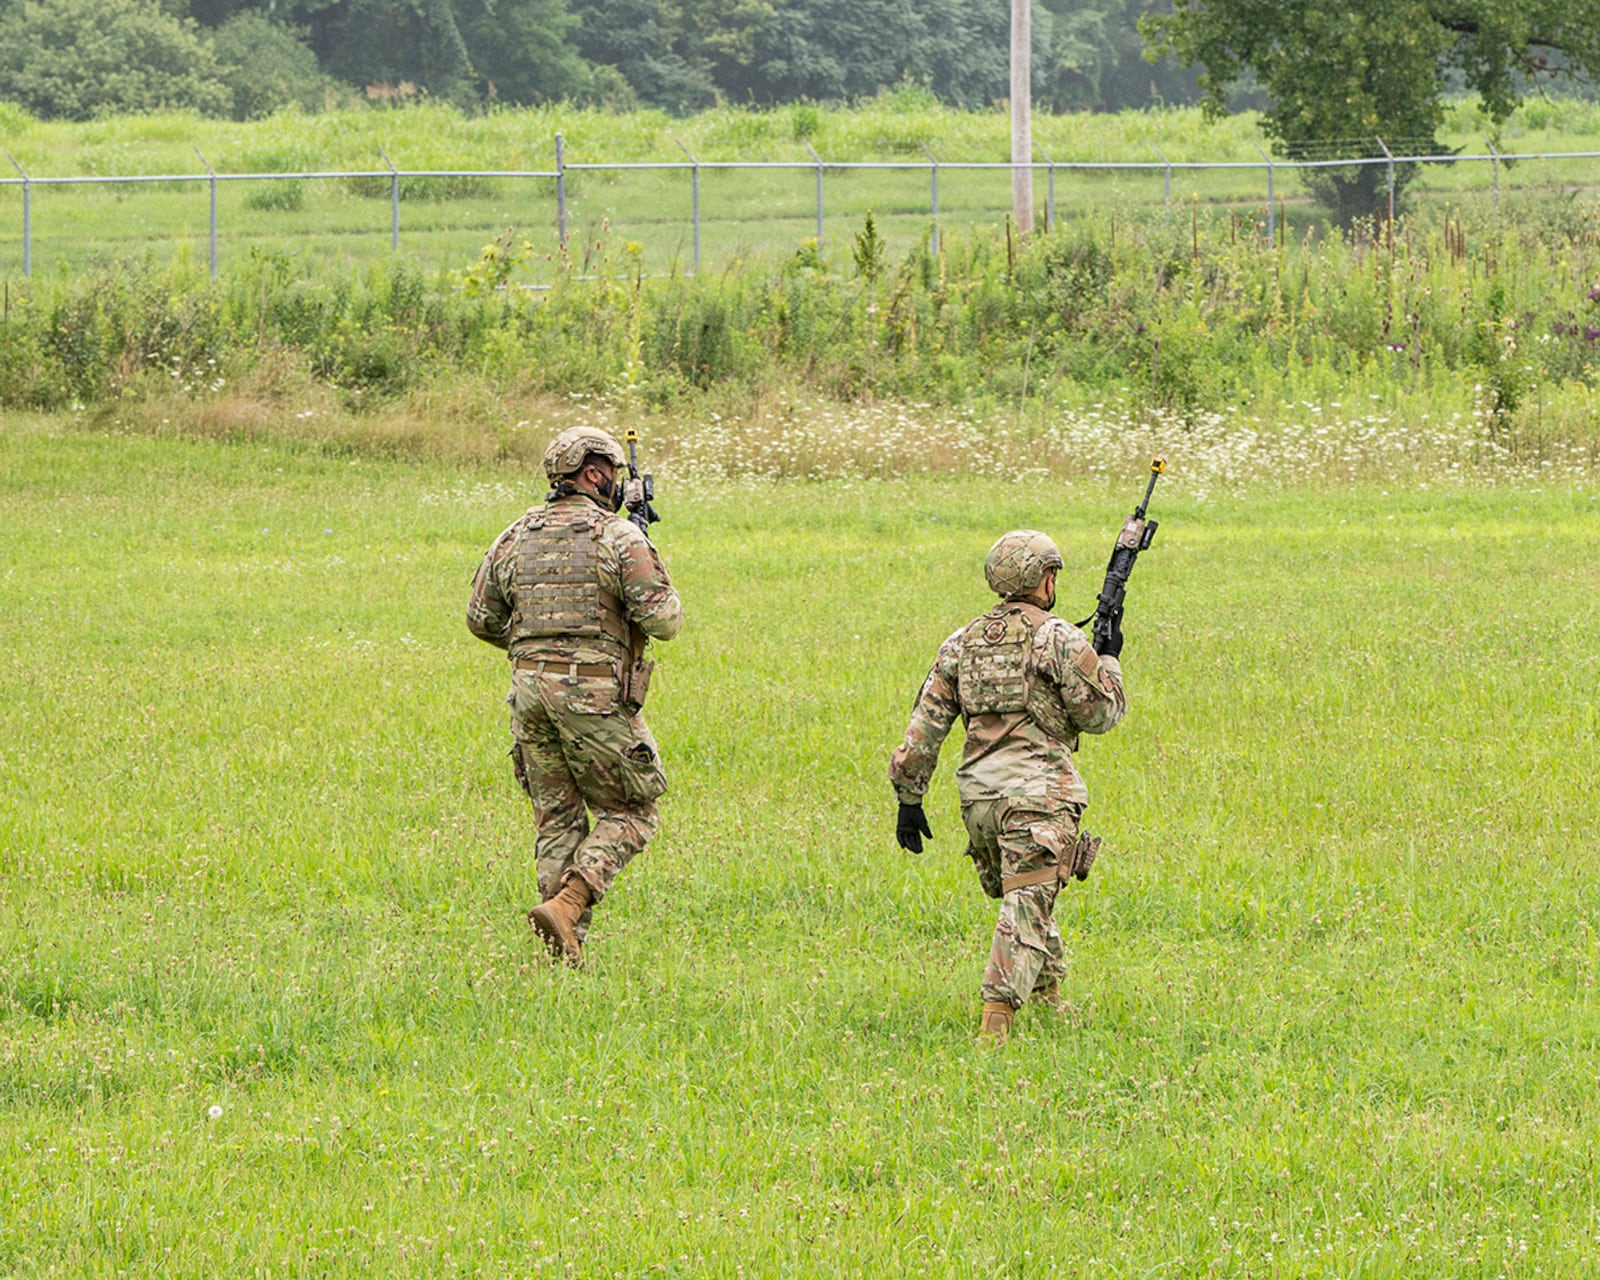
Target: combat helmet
pixel 568 450
pixel 1018 561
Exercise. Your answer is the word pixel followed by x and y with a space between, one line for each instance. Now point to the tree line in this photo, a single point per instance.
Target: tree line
pixel 76 59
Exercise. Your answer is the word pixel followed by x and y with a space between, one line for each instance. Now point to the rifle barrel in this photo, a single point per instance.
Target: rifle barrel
pixel 1157 466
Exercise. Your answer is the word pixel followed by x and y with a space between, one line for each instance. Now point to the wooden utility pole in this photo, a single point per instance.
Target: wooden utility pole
pixel 1022 114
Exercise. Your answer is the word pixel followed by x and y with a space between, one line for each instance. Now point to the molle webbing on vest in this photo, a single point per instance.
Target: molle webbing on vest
pixel 557 584
pixel 995 650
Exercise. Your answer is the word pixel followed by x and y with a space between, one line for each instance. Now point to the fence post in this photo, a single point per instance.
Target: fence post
pixel 561 192
pixel 394 200
pixel 213 174
pixel 818 159
pixel 1488 142
pixel 694 182
pixel 1166 185
pixel 1389 166
pixel 933 161
pixel 1272 224
pixel 1050 191
pixel 27 217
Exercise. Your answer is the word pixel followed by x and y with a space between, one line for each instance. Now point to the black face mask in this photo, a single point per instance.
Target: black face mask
pixel 612 495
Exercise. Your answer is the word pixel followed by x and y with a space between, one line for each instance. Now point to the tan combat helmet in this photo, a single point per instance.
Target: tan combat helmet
pixel 1018 561
pixel 568 450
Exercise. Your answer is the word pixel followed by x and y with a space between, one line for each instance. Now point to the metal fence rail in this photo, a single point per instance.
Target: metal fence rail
pixel 1260 193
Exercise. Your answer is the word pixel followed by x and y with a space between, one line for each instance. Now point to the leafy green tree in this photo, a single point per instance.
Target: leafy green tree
pixel 213 13
pixel 267 66
pixel 1340 76
pixel 963 50
pixel 653 46
pixel 682 55
pixel 831 49
pixel 1091 58
pixel 521 50
pixel 1079 54
pixel 390 42
pixel 725 34
pixel 77 59
pixel 463 50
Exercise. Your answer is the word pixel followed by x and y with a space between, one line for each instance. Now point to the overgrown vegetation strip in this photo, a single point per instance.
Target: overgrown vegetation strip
pixel 1476 339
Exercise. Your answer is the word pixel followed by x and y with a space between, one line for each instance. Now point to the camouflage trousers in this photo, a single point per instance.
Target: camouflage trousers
pixel 581 755
pixel 1010 836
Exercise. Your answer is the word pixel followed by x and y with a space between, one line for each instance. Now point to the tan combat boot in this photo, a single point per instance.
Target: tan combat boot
pixel 995 1029
pixel 556 921
pixel 1049 996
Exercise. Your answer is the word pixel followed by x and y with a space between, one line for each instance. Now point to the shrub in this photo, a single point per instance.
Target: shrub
pixel 465 186
pixel 807 122
pixel 284 196
pixel 76 59
pixel 14 118
pixel 267 65
pixel 1189 325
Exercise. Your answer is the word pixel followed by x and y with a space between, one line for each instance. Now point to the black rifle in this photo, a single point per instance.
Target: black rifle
pixel 649 513
pixel 1137 534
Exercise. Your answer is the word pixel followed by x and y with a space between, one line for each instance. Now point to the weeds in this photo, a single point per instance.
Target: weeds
pixel 1450 322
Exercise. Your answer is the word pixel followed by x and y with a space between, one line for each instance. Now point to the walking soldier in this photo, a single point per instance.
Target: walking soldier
pixel 572 591
pixel 1026 684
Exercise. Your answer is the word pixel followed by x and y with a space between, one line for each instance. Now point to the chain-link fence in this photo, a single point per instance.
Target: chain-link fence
pixel 689 214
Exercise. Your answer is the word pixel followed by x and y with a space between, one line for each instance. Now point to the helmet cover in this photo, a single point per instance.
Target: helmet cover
pixel 1018 561
pixel 567 451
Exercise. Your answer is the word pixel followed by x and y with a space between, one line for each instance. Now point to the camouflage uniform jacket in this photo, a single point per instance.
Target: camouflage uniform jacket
pixel 1023 754
pixel 628 568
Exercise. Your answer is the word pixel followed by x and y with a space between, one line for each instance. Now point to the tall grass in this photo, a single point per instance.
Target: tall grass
pixel 762 210
pixel 895 124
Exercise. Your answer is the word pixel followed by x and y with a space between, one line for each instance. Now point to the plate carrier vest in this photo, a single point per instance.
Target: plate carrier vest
pixel 993 675
pixel 556 589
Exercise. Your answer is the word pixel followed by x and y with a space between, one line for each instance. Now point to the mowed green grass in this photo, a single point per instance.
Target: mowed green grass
pixel 1334 1006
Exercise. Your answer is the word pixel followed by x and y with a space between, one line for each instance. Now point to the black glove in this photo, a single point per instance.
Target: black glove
pixel 1108 639
pixel 910 826
pixel 640 521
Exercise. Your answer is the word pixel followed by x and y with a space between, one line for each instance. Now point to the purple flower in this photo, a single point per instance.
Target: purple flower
pixel 1591 333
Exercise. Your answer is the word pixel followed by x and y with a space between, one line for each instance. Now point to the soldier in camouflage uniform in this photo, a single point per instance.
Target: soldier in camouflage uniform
pixel 1025 684
pixel 571 591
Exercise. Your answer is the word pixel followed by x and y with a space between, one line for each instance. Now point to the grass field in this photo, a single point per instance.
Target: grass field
pixel 443 222
pixel 268 1006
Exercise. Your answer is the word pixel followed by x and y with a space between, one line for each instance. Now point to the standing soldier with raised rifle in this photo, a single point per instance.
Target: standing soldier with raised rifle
pixel 1025 684
pixel 572 591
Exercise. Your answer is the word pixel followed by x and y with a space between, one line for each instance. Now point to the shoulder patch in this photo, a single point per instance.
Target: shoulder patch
pixel 1087 662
